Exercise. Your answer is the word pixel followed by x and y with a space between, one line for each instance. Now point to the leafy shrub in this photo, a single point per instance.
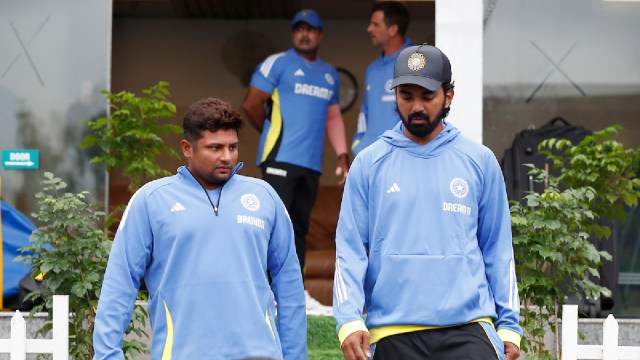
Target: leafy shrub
pixel 71 251
pixel 551 234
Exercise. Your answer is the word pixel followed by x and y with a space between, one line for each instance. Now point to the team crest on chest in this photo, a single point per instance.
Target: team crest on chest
pixel 329 78
pixel 459 188
pixel 250 202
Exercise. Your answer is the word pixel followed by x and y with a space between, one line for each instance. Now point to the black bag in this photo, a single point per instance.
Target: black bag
pixel 518 182
pixel 525 151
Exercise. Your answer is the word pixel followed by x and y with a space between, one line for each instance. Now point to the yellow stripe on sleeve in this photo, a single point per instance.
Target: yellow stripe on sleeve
pixel 276 126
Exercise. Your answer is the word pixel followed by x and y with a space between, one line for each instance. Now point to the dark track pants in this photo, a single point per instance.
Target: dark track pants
pixel 298 190
pixel 474 341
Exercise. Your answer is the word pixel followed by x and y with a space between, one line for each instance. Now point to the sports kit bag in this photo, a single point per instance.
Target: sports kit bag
pixel 524 150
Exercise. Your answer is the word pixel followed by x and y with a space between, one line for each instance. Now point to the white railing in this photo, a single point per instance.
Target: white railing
pixel 19 346
pixel 609 350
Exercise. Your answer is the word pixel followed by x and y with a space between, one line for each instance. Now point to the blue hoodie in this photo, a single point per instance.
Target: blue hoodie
pixel 424 238
pixel 209 294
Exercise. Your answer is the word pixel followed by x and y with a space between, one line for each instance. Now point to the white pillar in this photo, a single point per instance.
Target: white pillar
pixel 459 34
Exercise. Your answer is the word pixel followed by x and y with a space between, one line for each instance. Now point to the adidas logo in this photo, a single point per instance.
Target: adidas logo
pixel 178 207
pixel 393 188
pixel 299 73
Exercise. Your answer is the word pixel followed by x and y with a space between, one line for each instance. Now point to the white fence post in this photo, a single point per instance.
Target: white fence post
pixel 569 332
pixel 609 350
pixel 60 327
pixel 18 337
pixel 610 339
pixel 19 346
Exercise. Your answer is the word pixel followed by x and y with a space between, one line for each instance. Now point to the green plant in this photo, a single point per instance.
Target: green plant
pixel 552 248
pixel 554 256
pixel 71 252
pixel 604 164
pixel 130 139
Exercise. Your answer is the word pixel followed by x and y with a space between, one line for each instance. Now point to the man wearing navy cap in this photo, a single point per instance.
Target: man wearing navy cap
pixel 292 101
pixel 424 235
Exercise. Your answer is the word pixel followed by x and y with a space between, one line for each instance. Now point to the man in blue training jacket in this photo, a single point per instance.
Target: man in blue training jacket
pixel 424 235
pixel 203 240
pixel 387 28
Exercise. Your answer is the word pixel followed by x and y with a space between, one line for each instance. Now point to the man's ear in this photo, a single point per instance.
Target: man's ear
pixel 448 97
pixel 393 29
pixel 186 147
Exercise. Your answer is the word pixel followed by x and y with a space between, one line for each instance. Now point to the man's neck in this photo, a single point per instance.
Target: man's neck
pixel 394 45
pixel 311 56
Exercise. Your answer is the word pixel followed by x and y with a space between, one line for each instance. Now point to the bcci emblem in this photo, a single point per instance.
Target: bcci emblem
pixel 250 202
pixel 416 62
pixel 329 78
pixel 459 188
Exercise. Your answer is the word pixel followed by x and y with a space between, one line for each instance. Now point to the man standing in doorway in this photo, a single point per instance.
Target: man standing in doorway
pixel 387 28
pixel 292 101
pixel 424 235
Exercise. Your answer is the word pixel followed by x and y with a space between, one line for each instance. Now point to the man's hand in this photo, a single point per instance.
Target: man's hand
pixel 354 344
pixel 511 351
pixel 343 168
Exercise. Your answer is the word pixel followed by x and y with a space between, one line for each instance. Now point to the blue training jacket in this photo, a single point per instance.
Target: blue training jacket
pixel 378 110
pixel 209 294
pixel 424 236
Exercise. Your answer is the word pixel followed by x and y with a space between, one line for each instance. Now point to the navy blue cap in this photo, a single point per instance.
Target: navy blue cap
pixel 308 16
pixel 422 65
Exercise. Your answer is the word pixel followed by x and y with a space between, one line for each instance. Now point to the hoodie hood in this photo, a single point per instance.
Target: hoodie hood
pixel 396 138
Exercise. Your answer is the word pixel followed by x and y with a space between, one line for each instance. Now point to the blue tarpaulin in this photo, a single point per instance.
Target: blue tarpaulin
pixel 16 229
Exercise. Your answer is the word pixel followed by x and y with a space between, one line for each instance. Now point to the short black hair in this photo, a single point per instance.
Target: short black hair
pixel 394 13
pixel 209 114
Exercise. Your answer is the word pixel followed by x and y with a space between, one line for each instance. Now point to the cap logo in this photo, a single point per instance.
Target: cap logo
pixel 416 61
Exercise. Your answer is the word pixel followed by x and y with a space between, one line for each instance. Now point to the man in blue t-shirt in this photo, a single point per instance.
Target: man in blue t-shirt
pixel 387 28
pixel 292 100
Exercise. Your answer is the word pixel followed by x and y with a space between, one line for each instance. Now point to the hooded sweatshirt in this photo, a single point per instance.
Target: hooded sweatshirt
pixel 209 293
pixel 424 238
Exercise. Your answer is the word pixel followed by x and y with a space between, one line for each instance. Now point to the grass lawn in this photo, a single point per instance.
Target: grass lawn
pixel 322 339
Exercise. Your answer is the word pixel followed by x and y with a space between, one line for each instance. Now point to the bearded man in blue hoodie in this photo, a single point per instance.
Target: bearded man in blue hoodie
pixel 424 235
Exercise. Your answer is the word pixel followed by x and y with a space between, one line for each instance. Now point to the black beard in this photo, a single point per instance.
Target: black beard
pixel 421 130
